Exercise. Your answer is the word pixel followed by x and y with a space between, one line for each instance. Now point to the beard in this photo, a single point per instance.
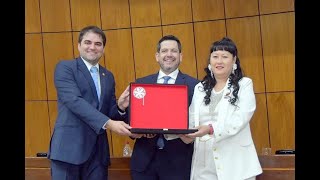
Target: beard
pixel 168 68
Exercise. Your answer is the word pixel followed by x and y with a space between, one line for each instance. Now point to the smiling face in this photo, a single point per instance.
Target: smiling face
pixel 91 47
pixel 169 56
pixel 221 63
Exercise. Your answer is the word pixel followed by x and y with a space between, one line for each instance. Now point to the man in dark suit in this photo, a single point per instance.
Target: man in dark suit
pixel 150 161
pixel 86 108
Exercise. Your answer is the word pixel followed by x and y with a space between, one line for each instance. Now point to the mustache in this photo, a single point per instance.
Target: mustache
pixel 169 58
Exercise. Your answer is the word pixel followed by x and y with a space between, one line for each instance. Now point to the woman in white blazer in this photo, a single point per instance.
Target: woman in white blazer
pixel 221 109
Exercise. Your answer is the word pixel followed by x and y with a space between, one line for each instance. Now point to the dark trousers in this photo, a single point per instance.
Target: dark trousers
pixel 92 169
pixel 161 168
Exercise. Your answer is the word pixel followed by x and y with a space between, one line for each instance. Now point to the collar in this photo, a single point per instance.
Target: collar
pixel 173 75
pixel 89 65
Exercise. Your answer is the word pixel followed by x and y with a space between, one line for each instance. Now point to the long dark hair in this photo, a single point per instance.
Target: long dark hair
pixel 225 44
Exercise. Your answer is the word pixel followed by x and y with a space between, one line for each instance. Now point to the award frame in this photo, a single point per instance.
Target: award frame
pixel 159 109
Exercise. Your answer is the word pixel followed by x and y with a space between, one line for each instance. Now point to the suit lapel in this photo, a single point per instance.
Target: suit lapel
pixel 180 78
pixel 83 68
pixel 225 102
pixel 103 80
pixel 153 79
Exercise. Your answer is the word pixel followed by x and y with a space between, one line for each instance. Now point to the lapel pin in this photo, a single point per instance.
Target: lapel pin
pixel 103 74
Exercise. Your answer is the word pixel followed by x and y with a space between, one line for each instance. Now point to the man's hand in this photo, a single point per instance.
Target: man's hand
pixel 143 135
pixel 135 136
pixel 186 139
pixel 119 127
pixel 123 101
pixel 149 135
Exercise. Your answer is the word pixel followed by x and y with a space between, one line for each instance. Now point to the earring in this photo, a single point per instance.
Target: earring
pixel 209 67
pixel 234 67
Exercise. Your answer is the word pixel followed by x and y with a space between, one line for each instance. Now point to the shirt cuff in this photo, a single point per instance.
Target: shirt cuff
pixel 104 126
pixel 121 113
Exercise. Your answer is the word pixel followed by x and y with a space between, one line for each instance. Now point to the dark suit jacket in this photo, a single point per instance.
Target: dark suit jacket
pixel 78 128
pixel 179 153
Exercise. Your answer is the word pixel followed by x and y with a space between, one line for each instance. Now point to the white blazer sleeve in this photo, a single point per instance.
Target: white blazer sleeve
pixel 194 107
pixel 232 119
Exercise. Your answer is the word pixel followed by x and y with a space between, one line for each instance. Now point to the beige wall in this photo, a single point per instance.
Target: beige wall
pixel 262 29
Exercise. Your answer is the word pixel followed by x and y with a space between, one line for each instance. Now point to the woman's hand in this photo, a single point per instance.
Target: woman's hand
pixel 202 130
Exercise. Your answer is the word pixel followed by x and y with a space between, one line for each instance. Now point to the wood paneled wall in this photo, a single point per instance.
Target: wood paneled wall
pixel 262 29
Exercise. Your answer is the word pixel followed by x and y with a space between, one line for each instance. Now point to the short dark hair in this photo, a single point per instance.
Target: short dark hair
pixel 169 37
pixel 95 30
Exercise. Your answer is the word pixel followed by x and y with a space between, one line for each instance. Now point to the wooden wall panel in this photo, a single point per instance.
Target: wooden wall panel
pixel 178 11
pixel 281 108
pixel 110 142
pixel 185 34
pixel 145 13
pixel 53 114
pixel 278 43
pixel 207 10
pixel 205 34
pixel 275 6
pixel 259 123
pixel 84 13
pixel 57 46
pixel 35 82
pixel 119 58
pixel 37 131
pixel 32 16
pixel 75 36
pixel 115 14
pixel 55 15
pixel 239 8
pixel 245 32
pixel 136 50
pixel 145 46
